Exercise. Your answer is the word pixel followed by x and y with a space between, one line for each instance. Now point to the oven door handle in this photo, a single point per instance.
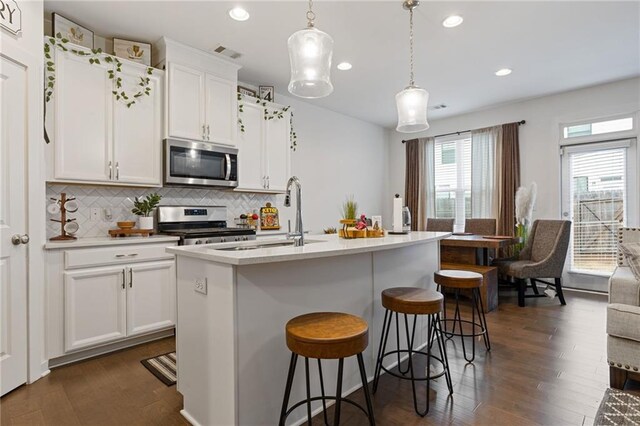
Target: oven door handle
pixel 228 161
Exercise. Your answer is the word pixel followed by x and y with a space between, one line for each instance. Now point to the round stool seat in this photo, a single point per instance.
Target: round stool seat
pixel 412 300
pixel 327 335
pixel 453 278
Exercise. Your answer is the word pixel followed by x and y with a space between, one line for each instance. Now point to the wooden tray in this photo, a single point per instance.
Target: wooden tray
pixel 129 232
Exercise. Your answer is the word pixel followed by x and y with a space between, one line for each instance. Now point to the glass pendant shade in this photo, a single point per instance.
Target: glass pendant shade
pixel 310 52
pixel 412 109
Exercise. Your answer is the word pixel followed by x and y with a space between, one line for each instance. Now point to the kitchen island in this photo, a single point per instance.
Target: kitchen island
pixel 234 301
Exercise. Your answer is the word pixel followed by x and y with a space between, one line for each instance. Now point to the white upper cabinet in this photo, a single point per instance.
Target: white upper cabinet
pixel 97 138
pixel 251 174
pixel 82 107
pixel 221 110
pixel 264 157
pixel 186 102
pixel 202 103
pixel 137 143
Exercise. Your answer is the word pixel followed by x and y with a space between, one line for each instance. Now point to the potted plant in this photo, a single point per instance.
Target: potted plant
pixel 349 211
pixel 525 200
pixel 144 208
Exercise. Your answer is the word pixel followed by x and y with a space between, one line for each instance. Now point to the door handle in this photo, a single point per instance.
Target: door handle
pixel 130 278
pixel 18 239
pixel 123 279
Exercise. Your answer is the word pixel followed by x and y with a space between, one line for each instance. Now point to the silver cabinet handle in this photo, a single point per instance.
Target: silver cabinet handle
pixel 117 171
pixel 123 279
pixel 126 255
pixel 203 132
pixel 268 183
pixel 264 182
pixel 208 132
pixel 18 239
pixel 228 165
pixel 130 277
pixel 110 171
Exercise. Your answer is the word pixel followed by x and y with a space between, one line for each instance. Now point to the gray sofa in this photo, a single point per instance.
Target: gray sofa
pixel 623 317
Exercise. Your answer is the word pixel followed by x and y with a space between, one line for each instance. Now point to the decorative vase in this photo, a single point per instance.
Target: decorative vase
pixel 145 222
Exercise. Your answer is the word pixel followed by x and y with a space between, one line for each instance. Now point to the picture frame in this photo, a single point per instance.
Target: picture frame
pixel 267 93
pixel 131 50
pixel 247 92
pixel 75 33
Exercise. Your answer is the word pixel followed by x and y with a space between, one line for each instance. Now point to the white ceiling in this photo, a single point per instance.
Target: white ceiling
pixel 551 46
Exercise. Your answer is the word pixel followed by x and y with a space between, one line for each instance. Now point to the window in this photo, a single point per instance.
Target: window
pixel 596 179
pixel 598 127
pixel 453 178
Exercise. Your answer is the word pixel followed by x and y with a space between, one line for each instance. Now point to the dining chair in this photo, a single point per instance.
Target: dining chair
pixel 543 256
pixel 440 225
pixel 480 226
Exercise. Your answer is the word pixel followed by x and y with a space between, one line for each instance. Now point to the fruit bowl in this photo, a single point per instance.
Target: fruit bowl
pixel 128 224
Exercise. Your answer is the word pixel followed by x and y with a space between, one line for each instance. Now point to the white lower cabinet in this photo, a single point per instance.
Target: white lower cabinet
pixel 106 295
pixel 151 297
pixel 94 309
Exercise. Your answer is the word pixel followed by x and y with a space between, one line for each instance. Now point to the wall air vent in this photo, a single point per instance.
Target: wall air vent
pixel 225 51
pixel 441 106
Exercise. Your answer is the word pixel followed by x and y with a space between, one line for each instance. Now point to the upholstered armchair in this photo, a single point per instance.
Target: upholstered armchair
pixel 480 226
pixel 543 256
pixel 623 316
pixel 440 225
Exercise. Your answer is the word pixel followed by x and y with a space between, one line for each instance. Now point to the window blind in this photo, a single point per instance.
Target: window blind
pixel 452 175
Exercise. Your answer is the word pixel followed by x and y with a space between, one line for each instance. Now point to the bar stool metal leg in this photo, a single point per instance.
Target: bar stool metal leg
pixel 443 352
pixel 365 388
pixel 483 323
pixel 324 402
pixel 382 347
pixel 398 345
pixel 336 417
pixel 287 389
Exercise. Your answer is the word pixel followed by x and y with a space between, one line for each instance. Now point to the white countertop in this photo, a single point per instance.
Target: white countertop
pixel 316 246
pixel 108 241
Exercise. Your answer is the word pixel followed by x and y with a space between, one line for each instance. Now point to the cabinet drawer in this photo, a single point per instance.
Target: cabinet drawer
pixel 115 255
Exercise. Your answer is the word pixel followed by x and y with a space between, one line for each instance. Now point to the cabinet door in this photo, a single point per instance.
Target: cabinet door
pixel 221 110
pixel 83 119
pixel 278 152
pixel 137 130
pixel 186 102
pixel 251 174
pixel 151 297
pixel 94 307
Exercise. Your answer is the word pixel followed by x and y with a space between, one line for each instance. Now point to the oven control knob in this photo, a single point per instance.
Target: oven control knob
pixel 208 242
pixel 245 238
pixel 223 240
pixel 198 242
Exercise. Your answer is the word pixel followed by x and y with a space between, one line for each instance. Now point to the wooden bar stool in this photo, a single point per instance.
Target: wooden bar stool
pixel 413 301
pixel 457 280
pixel 326 335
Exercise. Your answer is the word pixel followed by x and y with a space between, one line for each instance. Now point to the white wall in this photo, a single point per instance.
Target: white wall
pixel 539 137
pixel 29 44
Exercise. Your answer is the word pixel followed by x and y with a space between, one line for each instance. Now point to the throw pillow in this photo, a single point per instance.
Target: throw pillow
pixel 632 253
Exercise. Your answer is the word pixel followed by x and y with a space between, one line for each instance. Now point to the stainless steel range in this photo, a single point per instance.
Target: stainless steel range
pixel 200 225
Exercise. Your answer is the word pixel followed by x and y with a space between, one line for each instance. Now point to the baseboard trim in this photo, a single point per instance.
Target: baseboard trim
pixel 113 347
pixel 188 417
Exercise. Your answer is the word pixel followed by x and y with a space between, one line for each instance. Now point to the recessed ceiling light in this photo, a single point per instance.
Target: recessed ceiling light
pixel 344 66
pixel 239 14
pixel 452 21
pixel 502 72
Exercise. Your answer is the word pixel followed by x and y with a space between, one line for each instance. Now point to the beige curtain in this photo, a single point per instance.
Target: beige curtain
pixel 508 162
pixel 415 188
pixel 485 166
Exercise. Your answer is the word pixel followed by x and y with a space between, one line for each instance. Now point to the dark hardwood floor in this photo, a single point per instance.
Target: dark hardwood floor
pixel 547 366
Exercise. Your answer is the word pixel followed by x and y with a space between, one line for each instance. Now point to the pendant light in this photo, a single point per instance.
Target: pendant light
pixel 310 53
pixel 412 100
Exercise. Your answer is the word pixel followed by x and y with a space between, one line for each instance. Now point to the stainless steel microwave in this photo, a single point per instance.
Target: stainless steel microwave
pixel 189 163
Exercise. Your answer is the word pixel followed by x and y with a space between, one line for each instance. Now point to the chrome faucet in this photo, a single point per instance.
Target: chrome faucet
pixel 298 235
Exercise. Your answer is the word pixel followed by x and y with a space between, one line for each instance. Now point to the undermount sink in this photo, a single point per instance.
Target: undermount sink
pixel 245 247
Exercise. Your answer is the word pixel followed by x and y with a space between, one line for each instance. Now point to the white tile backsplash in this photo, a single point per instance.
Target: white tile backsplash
pixel 119 201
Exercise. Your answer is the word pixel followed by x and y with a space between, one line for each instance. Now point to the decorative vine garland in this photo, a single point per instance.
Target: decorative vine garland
pixel 95 57
pixel 273 114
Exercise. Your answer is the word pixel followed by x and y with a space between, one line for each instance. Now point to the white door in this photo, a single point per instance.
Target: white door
pixel 278 152
pixel 151 297
pixel 83 114
pixel 13 213
pixel 598 195
pixel 221 110
pixel 94 306
pixel 137 131
pixel 251 170
pixel 186 102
